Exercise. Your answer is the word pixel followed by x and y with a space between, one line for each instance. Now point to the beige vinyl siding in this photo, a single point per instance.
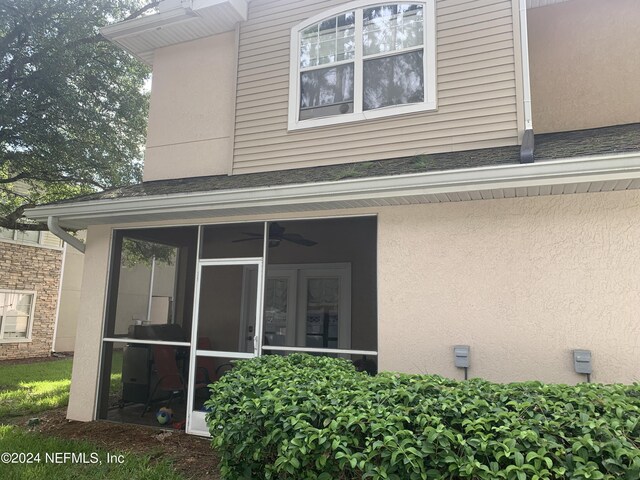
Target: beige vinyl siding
pixel 48 239
pixel 476 92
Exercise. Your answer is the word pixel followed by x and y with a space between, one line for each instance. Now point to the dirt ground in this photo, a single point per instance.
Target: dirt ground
pixel 192 456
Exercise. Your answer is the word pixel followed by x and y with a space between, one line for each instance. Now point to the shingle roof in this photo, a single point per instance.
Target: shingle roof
pixel 549 146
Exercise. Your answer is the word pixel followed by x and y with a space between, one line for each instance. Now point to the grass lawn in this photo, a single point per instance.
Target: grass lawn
pixel 31 388
pixel 93 464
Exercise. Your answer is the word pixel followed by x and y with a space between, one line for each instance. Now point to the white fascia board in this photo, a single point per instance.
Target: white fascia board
pixel 553 172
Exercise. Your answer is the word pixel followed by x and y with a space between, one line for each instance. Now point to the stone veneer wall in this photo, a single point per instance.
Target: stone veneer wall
pixel 24 267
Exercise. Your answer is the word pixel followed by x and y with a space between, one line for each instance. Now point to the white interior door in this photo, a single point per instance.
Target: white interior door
pixel 222 332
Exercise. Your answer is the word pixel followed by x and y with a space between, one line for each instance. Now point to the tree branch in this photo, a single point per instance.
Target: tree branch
pixel 99 38
pixel 142 10
pixel 11 220
pixel 15 194
pixel 20 176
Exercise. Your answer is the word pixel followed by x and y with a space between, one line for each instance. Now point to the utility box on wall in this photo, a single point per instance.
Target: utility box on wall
pixel 582 361
pixel 461 356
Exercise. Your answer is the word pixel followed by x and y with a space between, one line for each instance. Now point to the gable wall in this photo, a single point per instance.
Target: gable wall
pixel 477 52
pixel 584 64
pixel 190 130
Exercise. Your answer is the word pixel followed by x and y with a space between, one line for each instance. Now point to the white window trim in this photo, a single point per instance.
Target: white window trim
pixel 31 313
pixel 430 77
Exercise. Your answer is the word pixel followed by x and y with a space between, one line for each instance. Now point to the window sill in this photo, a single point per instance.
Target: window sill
pixel 359 117
pixel 15 340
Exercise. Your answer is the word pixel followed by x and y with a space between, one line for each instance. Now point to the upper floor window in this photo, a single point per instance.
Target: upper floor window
pixel 31 237
pixel 362 61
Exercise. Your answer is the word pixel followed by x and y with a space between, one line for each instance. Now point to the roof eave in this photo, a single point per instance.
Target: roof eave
pixel 346 193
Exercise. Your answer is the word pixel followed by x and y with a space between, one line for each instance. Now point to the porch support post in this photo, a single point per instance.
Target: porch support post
pixel 86 359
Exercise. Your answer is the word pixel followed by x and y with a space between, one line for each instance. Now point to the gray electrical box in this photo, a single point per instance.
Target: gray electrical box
pixel 461 356
pixel 582 361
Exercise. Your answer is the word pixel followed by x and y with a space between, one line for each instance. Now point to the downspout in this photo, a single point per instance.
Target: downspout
pixel 153 274
pixel 54 227
pixel 527 146
pixel 61 279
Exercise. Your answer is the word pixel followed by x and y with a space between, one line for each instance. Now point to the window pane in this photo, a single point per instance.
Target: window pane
pixel 329 41
pixel 326 91
pixel 16 326
pixel 393 80
pixel 322 313
pixel 226 315
pixel 232 240
pixel 392 27
pixel 15 309
pixel 276 307
pixel 27 236
pixel 23 303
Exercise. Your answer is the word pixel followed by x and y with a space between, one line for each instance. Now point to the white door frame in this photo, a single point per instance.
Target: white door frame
pixel 196 423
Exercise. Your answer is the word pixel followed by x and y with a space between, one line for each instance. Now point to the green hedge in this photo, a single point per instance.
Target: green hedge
pixel 306 417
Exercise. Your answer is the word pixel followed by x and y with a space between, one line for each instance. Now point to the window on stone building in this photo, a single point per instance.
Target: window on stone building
pixel 16 315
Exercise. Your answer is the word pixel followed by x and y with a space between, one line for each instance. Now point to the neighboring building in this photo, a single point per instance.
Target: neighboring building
pixel 30 266
pixel 387 153
pixel 69 303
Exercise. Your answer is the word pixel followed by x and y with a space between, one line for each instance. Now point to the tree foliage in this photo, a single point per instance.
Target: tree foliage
pixel 140 252
pixel 73 110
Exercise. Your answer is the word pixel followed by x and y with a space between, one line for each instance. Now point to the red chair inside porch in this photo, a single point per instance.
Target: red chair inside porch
pixel 169 377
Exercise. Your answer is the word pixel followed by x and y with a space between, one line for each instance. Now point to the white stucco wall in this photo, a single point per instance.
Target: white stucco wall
pixel 522 281
pixel 192 109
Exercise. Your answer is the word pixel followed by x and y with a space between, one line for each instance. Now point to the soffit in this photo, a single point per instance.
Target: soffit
pixel 190 21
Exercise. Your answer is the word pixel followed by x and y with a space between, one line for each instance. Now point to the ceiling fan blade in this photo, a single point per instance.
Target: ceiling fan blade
pixel 246 239
pixel 252 234
pixel 276 230
pixel 299 239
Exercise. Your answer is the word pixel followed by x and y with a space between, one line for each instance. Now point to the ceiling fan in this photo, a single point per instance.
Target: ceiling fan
pixel 276 235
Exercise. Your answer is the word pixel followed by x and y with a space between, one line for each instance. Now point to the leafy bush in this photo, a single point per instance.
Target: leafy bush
pixel 305 417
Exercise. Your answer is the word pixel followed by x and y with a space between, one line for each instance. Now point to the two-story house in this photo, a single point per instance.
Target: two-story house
pixel 380 181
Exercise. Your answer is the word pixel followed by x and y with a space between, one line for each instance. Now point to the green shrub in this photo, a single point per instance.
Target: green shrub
pixel 306 417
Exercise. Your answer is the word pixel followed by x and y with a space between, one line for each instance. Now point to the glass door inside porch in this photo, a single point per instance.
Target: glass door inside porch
pixel 224 331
